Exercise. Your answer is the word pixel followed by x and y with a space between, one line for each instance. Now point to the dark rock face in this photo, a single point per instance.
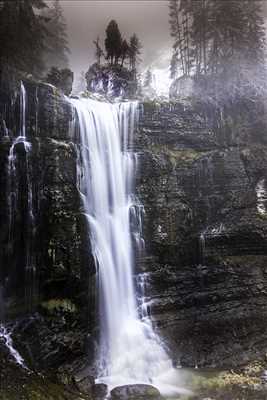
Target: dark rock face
pixel 99 391
pixel 135 392
pixel 86 385
pixel 18 383
pixel 111 80
pixel 45 265
pixel 205 226
pixel 206 236
pixel 62 79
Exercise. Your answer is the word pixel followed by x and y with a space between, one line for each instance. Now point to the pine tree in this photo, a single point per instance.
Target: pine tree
pixel 200 24
pixel 216 36
pixel 134 51
pixel 125 49
pixel 81 83
pixel 98 51
pixel 174 66
pixel 148 79
pixel 113 42
pixel 255 32
pixel 186 21
pixel 22 36
pixel 227 34
pixel 176 33
pixel 57 41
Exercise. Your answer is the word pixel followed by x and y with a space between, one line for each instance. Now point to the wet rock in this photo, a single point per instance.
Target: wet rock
pixel 206 242
pixel 86 385
pixel 111 80
pixel 99 391
pixel 202 230
pixel 135 392
pixel 18 383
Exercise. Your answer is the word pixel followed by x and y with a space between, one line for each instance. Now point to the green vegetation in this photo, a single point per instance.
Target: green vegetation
pixel 59 305
pixel 179 158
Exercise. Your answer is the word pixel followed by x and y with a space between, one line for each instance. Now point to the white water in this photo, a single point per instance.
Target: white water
pixel 261 197
pixel 5 335
pixel 13 175
pixel 130 351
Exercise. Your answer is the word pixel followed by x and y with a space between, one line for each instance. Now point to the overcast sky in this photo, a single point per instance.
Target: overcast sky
pixel 88 19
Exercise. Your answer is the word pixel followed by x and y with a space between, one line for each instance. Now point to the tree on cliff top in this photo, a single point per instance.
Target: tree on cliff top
pixel 148 79
pixel 221 43
pixel 176 34
pixel 22 36
pixel 113 42
pixel 57 49
pixel 98 51
pixel 134 51
pixel 211 36
pixel 125 48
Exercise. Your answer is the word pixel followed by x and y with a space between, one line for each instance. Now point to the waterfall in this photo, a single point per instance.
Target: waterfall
pixel 261 197
pixel 14 181
pixel 5 336
pixel 130 351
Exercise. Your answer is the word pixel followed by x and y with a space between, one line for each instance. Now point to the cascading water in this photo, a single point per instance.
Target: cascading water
pixel 130 351
pixel 261 197
pixel 6 337
pixel 14 190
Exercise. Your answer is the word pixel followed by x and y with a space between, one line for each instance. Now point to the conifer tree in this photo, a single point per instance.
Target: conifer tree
pixel 148 79
pixel 81 83
pixel 186 21
pixel 98 51
pixel 176 33
pixel 174 66
pixel 22 36
pixel 134 51
pixel 113 42
pixel 125 49
pixel 216 36
pixel 255 31
pixel 57 42
pixel 200 20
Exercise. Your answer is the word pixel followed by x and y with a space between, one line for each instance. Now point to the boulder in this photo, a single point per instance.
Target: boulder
pixel 99 391
pixel 135 392
pixel 86 384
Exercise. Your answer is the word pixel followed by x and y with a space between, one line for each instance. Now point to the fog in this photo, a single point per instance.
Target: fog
pixel 87 19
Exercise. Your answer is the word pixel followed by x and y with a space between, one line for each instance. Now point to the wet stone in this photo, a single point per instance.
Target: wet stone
pixel 99 391
pixel 86 384
pixel 135 392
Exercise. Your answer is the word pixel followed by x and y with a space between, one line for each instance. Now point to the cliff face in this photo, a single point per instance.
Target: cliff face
pixel 205 227
pixel 45 265
pixel 206 235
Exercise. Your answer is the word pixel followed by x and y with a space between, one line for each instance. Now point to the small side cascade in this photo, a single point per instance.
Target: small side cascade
pixel 137 212
pixel 215 232
pixel 202 248
pixel 5 129
pixel 17 183
pixel 261 193
pixel 6 338
pixel 143 301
